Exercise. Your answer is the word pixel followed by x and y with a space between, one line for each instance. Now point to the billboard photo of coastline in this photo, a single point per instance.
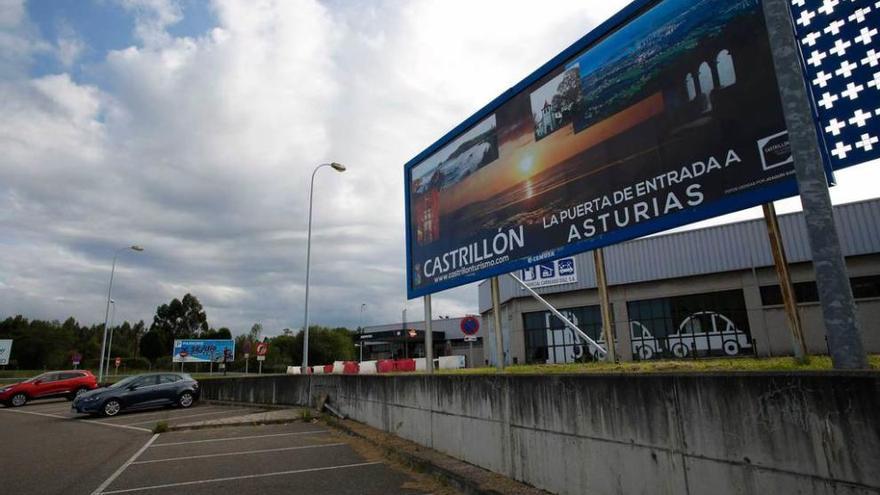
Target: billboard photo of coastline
pixel 661 117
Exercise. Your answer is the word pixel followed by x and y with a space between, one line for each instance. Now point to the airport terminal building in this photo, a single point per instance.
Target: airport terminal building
pixel 712 291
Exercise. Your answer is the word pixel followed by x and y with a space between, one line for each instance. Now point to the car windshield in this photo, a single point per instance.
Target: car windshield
pixel 124 382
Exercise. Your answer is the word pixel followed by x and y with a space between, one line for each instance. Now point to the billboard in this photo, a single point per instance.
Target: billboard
pixel 550 273
pixel 5 351
pixel 667 114
pixel 838 42
pixel 202 351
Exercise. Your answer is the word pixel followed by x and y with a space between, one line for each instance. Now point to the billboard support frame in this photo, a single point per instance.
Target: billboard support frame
pixel 780 261
pixel 580 333
pixel 496 319
pixel 835 293
pixel 429 337
pixel 604 304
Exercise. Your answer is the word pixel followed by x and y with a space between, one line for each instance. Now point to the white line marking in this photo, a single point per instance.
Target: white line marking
pixel 173 418
pixel 244 452
pixel 243 477
pixel 315 432
pixel 137 428
pixel 127 463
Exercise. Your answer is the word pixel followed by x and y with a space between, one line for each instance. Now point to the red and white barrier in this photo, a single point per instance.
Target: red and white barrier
pixel 380 366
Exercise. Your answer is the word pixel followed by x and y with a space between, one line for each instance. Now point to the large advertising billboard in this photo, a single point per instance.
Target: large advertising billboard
pixel 5 351
pixel 202 351
pixel 667 114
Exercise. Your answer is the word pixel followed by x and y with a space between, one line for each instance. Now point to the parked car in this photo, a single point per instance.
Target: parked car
pixel 140 392
pixel 67 384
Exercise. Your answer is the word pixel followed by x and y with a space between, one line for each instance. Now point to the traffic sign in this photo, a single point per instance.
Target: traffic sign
pixel 470 325
pixel 470 338
pixel 262 349
pixel 261 358
pixel 76 359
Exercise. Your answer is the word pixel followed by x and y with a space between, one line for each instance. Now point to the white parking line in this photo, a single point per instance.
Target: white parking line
pixel 127 463
pixel 243 452
pixel 172 418
pixel 224 439
pixel 232 478
pixel 34 413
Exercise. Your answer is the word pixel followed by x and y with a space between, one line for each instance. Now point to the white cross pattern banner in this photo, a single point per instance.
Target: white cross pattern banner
pixel 840 43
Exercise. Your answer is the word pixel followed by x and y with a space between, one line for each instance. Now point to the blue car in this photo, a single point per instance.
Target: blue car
pixel 139 392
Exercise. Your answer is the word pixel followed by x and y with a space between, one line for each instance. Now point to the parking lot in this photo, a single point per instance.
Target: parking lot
pixel 48 449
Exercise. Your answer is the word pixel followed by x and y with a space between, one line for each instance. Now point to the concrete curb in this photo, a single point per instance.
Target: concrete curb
pixel 467 478
pixel 239 423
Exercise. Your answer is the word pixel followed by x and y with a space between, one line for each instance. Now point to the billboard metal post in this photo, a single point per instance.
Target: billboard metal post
pixel 496 319
pixel 780 260
pixel 429 337
pixel 605 305
pixel 574 328
pixel 835 293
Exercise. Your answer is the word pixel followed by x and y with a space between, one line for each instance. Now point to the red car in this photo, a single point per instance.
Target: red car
pixel 67 384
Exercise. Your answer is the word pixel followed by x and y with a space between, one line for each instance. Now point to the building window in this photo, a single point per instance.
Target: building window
pixel 726 71
pixel 548 340
pixel 807 292
pixel 866 287
pixel 695 325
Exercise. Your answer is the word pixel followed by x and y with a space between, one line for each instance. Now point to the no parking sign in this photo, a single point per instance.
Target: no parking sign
pixel 470 325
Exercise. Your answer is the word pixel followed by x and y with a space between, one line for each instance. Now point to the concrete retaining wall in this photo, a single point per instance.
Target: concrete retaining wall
pixel 723 434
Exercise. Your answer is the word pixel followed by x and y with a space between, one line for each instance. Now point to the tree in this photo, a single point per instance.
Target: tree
pixel 152 347
pixel 180 319
pixel 255 332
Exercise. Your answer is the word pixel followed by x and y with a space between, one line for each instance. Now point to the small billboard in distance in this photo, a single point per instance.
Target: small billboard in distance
pixel 202 350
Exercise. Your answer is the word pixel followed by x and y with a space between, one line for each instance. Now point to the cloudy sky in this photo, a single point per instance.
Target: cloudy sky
pixel 192 127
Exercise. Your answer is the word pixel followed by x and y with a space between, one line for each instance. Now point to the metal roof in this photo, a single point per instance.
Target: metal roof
pixel 722 248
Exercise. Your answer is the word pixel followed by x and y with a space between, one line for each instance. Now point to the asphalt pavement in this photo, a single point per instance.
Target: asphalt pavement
pixel 50 450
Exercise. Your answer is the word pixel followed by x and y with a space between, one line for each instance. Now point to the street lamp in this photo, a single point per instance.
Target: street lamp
pixel 361 331
pixel 339 168
pixel 110 340
pixel 107 311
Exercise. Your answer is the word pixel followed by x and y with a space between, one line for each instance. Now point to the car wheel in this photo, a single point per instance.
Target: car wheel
pixel 731 347
pixel 111 408
pixel 18 400
pixel 679 350
pixel 185 400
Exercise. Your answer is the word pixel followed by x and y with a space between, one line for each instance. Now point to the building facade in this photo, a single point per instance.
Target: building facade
pixel 407 340
pixel 700 293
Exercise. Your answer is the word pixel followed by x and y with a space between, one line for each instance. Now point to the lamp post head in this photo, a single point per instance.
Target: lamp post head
pixel 338 167
pixel 136 248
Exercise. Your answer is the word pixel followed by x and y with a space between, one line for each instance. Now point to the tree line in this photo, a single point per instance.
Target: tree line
pixel 41 344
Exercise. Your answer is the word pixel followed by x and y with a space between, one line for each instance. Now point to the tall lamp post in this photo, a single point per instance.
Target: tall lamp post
pixel 361 331
pixel 110 340
pixel 107 311
pixel 339 168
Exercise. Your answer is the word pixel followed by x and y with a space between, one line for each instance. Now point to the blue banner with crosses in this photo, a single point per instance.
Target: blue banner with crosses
pixel 840 43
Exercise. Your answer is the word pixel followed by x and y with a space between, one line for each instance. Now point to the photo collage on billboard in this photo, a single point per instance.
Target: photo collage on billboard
pixel 651 127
